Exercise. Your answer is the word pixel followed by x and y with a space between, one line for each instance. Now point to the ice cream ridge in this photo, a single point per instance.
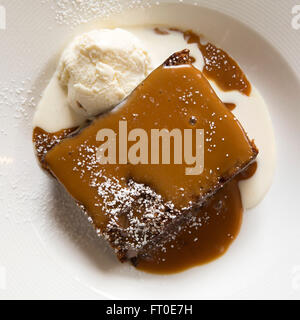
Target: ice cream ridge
pixel 137 207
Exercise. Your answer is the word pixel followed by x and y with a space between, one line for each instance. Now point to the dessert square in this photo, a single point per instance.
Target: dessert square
pixel 137 206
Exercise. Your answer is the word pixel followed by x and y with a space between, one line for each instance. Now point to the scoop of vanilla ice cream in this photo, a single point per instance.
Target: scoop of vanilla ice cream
pixel 100 68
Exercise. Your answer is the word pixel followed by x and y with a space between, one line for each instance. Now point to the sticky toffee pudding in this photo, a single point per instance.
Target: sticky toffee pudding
pixel 140 208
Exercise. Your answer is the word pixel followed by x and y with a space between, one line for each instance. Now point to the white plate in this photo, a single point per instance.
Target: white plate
pixel 48 250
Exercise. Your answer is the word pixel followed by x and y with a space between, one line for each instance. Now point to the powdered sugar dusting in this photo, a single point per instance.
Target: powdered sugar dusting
pixel 18 96
pixel 136 213
pixel 76 12
pixel 132 214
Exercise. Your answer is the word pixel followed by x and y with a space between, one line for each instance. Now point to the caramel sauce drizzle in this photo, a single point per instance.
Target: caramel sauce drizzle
pixel 221 218
pixel 161 31
pixel 219 66
pixel 43 141
pixel 230 106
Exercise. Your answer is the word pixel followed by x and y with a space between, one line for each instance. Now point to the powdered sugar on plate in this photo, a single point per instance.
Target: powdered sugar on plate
pixel 76 12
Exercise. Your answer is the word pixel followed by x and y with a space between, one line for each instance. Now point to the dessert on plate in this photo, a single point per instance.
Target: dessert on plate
pixel 135 206
pixel 164 213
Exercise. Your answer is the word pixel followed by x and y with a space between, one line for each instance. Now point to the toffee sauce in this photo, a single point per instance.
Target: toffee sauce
pixel 221 219
pixel 221 216
pixel 219 66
